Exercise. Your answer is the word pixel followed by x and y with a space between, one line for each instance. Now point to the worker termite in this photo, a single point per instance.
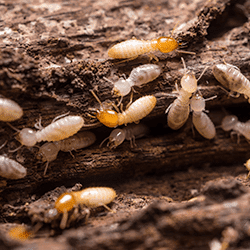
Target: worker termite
pixel 48 151
pixel 11 169
pixel 89 197
pixel 201 121
pixel 138 76
pixel 134 113
pixel 129 133
pixel 178 111
pixel 56 131
pixel 9 110
pixel 231 77
pixel 231 122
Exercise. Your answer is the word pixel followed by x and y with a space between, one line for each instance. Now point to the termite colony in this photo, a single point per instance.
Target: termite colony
pixel 62 134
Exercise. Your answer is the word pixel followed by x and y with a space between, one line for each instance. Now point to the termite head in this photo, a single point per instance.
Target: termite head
pixel 65 203
pixel 116 138
pixel 107 117
pixel 220 72
pixel 229 122
pixel 48 152
pixel 20 232
pixel 166 44
pixel 189 83
pixel 197 103
pixel 27 137
pixel 121 87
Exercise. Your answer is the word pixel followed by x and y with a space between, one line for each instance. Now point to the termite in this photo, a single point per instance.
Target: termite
pixel 129 133
pixel 178 111
pixel 11 169
pixel 231 122
pixel 56 131
pixel 20 232
pixel 133 48
pixel 89 197
pixel 138 76
pixel 48 151
pixel 201 121
pixel 9 110
pixel 231 77
pixel 134 113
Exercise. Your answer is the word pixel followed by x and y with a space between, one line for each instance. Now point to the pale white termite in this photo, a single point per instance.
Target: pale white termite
pixel 130 133
pixel 89 197
pixel 56 131
pixel 178 111
pixel 231 77
pixel 138 76
pixel 201 121
pixel 134 113
pixel 231 122
pixel 11 169
pixel 48 151
pixel 9 110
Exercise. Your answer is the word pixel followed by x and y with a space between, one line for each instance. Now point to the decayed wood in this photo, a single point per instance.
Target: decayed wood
pixel 47 87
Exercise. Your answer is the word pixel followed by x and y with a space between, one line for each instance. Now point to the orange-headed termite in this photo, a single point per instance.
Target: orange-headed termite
pixel 231 122
pixel 134 113
pixel 11 169
pixel 130 133
pixel 20 233
pixel 133 48
pixel 9 110
pixel 138 76
pixel 201 121
pixel 89 197
pixel 48 151
pixel 231 77
pixel 178 111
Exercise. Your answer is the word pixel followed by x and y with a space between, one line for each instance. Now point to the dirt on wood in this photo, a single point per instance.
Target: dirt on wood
pixel 175 189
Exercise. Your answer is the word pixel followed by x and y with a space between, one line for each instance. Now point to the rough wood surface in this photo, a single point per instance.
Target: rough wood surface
pixel 53 53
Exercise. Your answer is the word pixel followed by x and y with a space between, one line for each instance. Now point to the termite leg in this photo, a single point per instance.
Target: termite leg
pixel 64 220
pixel 60 116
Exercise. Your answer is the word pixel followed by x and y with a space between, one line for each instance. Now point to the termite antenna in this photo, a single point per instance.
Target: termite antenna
pixel 16 149
pixel 202 73
pixel 17 130
pixel 96 97
pixel 210 98
pixel 186 52
pixel 184 65
pixel 60 116
pixel 103 142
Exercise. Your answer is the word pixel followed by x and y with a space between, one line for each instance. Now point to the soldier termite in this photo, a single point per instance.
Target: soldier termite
pixel 178 111
pixel 231 122
pixel 89 197
pixel 56 131
pixel 132 48
pixel 9 110
pixel 201 121
pixel 138 76
pixel 231 77
pixel 48 151
pixel 134 113
pixel 130 133
pixel 11 169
